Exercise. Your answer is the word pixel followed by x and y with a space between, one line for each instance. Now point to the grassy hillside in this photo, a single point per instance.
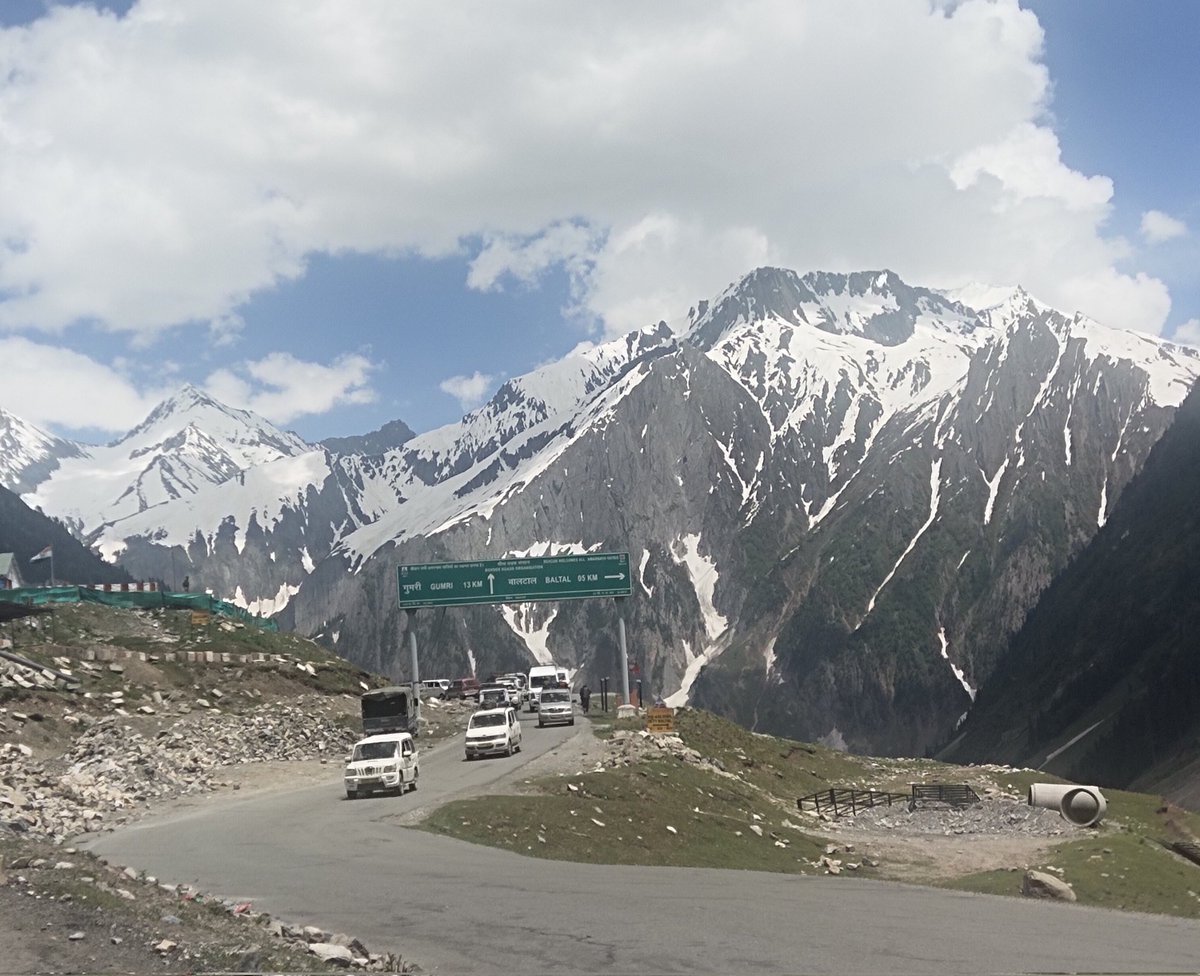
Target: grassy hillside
pixel 736 808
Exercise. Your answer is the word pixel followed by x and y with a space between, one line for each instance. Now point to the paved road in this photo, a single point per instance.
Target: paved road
pixel 311 857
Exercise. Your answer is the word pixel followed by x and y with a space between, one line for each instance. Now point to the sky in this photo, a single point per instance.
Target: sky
pixel 339 215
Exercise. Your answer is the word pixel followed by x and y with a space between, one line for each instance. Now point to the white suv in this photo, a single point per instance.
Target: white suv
pixel 382 762
pixel 493 732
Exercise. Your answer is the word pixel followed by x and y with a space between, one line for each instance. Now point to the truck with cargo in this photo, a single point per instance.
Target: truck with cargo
pixel 391 709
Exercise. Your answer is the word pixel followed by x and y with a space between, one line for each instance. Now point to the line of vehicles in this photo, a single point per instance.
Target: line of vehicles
pixel 516 689
pixel 387 759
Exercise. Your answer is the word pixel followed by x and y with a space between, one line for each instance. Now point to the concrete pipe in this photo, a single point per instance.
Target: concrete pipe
pixel 1083 806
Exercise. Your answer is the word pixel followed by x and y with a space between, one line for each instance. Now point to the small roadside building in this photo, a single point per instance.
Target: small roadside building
pixel 10 572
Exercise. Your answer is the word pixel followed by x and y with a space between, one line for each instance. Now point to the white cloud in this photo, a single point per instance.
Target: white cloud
pixel 469 391
pixel 281 387
pixel 43 384
pixel 1158 227
pixel 1188 333
pixel 56 387
pixel 527 258
pixel 163 167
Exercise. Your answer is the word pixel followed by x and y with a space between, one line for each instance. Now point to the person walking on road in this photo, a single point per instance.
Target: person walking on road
pixel 585 696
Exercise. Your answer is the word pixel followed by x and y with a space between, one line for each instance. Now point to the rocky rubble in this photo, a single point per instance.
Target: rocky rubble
pixel 628 747
pixel 111 768
pixel 159 925
pixel 997 814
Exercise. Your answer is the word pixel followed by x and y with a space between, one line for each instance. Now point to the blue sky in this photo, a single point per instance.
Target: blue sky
pixel 343 220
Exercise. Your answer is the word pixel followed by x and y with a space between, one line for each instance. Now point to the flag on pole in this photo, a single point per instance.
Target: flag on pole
pixel 47 553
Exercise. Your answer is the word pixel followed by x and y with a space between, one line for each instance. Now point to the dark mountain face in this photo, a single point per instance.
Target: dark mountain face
pixel 25 532
pixel 1102 682
pixel 391 435
pixel 840 495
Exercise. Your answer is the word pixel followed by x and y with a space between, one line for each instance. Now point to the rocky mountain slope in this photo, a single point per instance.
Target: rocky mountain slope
pixel 841 494
pixel 1102 684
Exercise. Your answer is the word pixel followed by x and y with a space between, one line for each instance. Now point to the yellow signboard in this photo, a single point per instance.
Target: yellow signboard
pixel 200 618
pixel 660 719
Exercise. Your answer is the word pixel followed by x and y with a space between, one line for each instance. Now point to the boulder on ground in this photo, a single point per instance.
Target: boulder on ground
pixel 1038 884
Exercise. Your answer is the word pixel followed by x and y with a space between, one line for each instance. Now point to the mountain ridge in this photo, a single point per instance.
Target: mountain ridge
pixel 840 494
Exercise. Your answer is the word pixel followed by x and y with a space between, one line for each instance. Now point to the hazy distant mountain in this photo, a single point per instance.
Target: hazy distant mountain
pixel 1103 681
pixel 391 435
pixel 840 494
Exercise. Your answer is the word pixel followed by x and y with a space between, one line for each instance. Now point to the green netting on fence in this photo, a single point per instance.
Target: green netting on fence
pixel 39 596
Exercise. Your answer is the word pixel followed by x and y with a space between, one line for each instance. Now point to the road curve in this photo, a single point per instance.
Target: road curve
pixel 309 856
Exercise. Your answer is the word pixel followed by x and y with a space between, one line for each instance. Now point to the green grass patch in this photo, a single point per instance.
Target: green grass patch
pixel 1124 871
pixel 793 769
pixel 1124 865
pixel 660 812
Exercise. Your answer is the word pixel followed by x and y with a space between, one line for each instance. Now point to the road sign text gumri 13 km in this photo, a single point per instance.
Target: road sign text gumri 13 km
pixel 515 580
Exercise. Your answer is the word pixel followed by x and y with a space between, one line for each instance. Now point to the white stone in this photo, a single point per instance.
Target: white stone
pixel 1039 884
pixel 328 952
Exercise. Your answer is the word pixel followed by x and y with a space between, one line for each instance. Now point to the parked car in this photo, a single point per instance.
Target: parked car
pixel 389 761
pixel 435 686
pixel 555 707
pixel 463 688
pixel 493 732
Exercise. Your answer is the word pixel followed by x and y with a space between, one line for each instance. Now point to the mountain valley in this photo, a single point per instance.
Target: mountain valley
pixel 841 495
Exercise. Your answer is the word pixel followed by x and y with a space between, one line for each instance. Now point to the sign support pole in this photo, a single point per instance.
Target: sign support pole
pixel 412 649
pixel 624 656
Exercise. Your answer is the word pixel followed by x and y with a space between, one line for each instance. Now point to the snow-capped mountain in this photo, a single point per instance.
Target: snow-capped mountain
pixel 188 442
pixel 840 492
pixel 28 454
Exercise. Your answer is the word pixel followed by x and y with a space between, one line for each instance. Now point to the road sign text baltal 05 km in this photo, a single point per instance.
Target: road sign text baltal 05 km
pixel 515 580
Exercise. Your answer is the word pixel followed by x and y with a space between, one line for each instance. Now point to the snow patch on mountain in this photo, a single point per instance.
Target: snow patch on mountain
pixel 641 574
pixel 268 606
pixel 935 483
pixel 543 550
pixel 959 673
pixel 769 655
pixel 703 573
pixel 521 619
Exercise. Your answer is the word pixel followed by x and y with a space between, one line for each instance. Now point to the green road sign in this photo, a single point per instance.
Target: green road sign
pixel 515 580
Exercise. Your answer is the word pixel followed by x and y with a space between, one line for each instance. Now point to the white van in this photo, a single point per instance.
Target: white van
pixel 543 674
